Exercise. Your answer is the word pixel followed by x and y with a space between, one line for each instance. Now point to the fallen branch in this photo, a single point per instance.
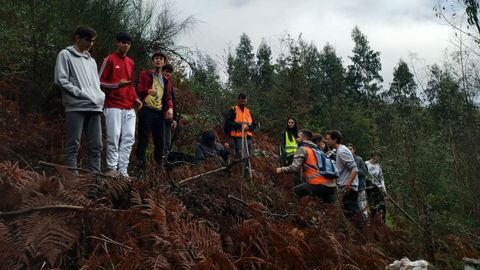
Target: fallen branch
pixel 109 240
pixel 58 207
pixel 260 211
pixel 73 168
pixel 200 175
pixel 398 206
pixel 20 157
pixel 210 172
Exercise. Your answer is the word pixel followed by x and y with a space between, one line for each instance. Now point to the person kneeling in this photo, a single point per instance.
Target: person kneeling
pixel 208 148
pixel 315 184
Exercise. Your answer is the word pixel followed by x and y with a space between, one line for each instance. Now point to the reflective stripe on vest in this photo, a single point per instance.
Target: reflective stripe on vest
pixel 310 170
pixel 242 117
pixel 290 146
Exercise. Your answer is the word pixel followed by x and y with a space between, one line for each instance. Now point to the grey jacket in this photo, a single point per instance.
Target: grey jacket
pixel 77 75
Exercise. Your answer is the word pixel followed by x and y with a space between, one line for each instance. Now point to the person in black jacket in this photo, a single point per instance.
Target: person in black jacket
pixel 209 149
pixel 169 124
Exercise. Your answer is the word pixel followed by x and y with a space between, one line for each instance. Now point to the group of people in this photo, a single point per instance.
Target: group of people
pixel 360 183
pixel 88 92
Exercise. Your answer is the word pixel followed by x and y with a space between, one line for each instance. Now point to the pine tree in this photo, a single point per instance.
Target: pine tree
pixel 264 72
pixel 241 67
pixel 364 72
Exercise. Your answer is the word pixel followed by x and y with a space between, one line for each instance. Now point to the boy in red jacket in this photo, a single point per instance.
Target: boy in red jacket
pixel 116 76
pixel 158 109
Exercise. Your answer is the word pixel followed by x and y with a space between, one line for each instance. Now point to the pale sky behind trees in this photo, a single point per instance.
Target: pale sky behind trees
pixel 396 28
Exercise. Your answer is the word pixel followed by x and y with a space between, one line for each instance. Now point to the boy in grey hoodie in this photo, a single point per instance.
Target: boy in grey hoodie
pixel 76 73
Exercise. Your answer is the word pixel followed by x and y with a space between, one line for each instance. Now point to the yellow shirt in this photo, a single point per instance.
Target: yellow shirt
pixel 155 101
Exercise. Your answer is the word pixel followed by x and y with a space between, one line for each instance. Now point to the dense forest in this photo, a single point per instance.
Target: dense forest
pixel 426 126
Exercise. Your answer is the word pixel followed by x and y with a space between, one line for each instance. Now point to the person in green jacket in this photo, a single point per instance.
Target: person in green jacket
pixel 288 140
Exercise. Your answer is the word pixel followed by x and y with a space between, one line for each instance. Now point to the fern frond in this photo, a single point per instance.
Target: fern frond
pixel 11 250
pixel 51 237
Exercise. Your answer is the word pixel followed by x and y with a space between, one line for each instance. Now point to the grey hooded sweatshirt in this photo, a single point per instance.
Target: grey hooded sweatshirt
pixel 77 75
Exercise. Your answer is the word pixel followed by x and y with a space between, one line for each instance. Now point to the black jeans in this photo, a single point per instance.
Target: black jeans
pixel 151 121
pixel 350 203
pixel 376 201
pixel 327 194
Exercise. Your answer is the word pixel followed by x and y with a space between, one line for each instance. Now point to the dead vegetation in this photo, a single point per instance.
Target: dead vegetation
pixel 52 219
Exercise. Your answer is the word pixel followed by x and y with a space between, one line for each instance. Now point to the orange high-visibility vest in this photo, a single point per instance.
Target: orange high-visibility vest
pixel 242 117
pixel 310 173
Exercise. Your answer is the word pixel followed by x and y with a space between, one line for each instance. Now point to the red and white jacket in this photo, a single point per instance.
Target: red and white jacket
pixel 116 67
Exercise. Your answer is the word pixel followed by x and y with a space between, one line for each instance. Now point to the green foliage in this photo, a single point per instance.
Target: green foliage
pixel 39 29
pixel 430 150
pixel 264 74
pixel 403 88
pixel 364 72
pixel 241 67
pixel 205 85
pixel 290 95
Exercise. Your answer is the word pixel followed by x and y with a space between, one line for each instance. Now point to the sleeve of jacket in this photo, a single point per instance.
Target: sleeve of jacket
pixel 231 124
pixel 298 159
pixel 362 168
pixel 254 123
pixel 382 180
pixel 105 72
pixel 169 94
pixel 62 75
pixel 199 154
pixel 348 159
pixel 143 81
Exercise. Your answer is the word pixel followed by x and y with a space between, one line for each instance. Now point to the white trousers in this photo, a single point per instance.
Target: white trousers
pixel 120 137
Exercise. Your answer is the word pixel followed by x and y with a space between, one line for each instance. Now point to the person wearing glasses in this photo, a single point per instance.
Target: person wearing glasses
pixel 76 74
pixel 116 76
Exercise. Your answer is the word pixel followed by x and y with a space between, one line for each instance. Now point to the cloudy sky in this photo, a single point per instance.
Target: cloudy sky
pixel 396 28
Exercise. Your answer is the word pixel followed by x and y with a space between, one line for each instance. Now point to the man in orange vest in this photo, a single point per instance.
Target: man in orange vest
pixel 241 123
pixel 315 184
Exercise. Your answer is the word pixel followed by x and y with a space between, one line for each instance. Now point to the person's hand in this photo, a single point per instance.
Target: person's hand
pixel 124 82
pixel 138 103
pixel 278 170
pixel 169 114
pixel 244 127
pixel 174 125
pixel 152 92
pixel 226 145
pixel 346 189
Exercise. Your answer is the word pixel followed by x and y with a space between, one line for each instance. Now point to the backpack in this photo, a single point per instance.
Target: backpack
pixel 325 166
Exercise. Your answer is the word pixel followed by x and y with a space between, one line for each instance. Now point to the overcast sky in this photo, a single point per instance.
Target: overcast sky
pixel 396 28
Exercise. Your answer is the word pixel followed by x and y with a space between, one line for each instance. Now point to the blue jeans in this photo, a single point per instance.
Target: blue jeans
pixel 238 147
